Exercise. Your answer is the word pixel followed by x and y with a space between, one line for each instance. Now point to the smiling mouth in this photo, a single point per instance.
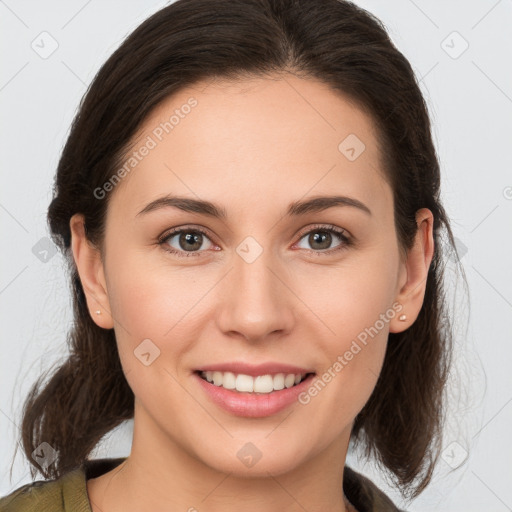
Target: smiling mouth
pixel 261 384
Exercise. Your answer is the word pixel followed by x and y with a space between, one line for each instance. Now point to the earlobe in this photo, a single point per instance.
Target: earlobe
pixel 90 269
pixel 416 267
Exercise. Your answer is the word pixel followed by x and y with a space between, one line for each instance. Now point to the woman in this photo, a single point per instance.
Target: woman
pixel 249 201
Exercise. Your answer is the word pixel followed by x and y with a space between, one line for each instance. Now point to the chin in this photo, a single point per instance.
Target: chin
pixel 256 459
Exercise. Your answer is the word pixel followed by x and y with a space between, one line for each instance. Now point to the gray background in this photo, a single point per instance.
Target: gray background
pixel 469 93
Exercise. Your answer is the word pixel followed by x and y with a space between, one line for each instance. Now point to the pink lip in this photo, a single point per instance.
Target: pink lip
pixel 270 368
pixel 252 405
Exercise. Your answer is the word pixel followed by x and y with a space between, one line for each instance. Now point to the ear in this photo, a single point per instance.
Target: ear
pixel 415 272
pixel 90 269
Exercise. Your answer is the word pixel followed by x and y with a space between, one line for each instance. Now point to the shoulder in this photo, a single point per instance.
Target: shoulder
pixel 65 494
pixel 46 495
pixel 33 497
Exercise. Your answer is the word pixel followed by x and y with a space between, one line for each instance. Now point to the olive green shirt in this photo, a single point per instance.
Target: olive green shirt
pixel 69 493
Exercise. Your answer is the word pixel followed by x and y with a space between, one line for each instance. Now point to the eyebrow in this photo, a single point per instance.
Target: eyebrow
pixel 297 208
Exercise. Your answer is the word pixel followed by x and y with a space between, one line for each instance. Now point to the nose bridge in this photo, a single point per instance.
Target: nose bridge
pixel 252 267
pixel 256 303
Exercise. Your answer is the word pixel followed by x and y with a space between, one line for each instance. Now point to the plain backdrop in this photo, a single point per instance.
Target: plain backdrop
pixel 461 52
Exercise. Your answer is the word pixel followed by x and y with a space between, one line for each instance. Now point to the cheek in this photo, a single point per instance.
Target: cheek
pixel 350 296
pixel 354 308
pixel 153 332
pixel 352 361
pixel 157 302
pixel 149 298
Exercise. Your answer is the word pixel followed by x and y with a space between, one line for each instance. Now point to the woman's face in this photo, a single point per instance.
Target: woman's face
pixel 267 283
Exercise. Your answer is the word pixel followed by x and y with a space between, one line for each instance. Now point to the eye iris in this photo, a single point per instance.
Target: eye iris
pixel 324 236
pixel 193 238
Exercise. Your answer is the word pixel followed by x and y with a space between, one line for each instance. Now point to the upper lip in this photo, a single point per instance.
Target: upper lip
pixel 269 368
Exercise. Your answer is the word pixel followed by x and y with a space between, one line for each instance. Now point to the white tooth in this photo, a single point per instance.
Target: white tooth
pixel 228 380
pixel 217 378
pixel 249 384
pixel 289 380
pixel 244 383
pixel 263 384
pixel 279 381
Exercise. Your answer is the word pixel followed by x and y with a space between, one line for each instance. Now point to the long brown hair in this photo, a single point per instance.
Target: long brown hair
pixel 336 42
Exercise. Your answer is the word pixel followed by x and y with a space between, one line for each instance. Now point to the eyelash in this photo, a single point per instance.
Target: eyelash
pixel 341 233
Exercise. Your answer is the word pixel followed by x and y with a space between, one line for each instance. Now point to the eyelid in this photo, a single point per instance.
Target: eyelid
pixel 327 227
pixel 186 227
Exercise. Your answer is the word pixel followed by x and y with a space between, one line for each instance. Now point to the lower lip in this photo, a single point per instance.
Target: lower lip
pixel 252 405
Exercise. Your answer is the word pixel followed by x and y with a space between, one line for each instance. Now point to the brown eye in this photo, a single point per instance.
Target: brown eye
pixel 192 241
pixel 184 242
pixel 321 238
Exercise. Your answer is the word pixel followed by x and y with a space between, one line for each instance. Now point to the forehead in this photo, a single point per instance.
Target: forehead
pixel 241 143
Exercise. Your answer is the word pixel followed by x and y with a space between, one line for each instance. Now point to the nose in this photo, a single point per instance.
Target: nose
pixel 256 301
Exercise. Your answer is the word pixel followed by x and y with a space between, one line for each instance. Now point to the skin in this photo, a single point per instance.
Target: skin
pixel 252 147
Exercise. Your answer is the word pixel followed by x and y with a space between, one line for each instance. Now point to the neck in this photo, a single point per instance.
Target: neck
pixel 161 474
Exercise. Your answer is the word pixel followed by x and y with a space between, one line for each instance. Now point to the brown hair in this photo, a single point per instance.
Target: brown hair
pixel 334 41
